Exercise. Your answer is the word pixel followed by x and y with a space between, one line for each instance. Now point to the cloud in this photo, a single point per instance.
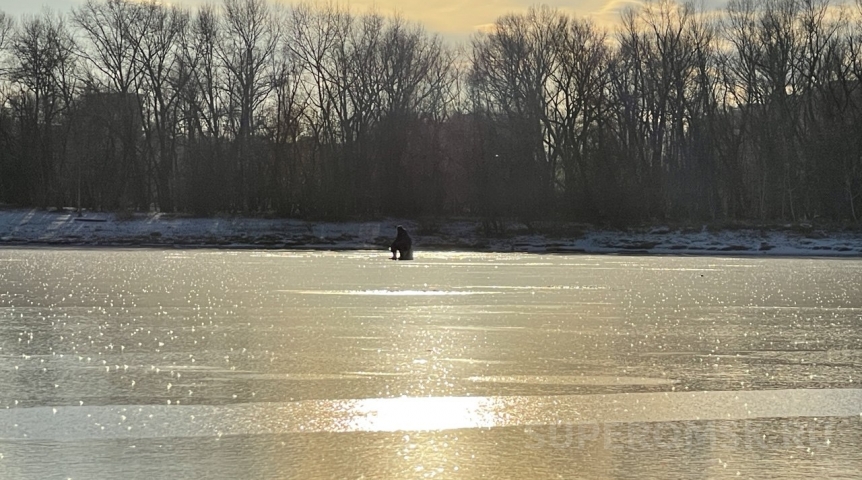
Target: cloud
pixel 445 16
pixel 454 19
pixel 17 8
pixel 457 20
pixel 616 6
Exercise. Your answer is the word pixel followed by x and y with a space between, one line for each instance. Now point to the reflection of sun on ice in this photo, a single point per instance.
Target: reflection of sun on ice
pixel 410 293
pixel 424 413
pixel 394 293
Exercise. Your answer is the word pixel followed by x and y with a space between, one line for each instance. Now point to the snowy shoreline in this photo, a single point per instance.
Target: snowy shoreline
pixel 31 227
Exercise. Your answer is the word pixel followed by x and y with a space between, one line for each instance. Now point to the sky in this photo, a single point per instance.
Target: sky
pixel 455 19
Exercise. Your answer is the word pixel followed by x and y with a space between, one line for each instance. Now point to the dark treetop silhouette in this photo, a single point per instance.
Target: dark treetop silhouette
pixel 312 111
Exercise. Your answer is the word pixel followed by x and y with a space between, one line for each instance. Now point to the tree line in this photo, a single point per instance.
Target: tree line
pixel 750 113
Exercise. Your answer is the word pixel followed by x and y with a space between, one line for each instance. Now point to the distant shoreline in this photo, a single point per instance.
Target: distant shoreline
pixel 40 228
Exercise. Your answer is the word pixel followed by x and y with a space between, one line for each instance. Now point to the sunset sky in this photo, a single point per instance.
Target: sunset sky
pixel 455 19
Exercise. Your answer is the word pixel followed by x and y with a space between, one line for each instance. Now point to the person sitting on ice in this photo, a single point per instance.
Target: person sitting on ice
pixel 403 244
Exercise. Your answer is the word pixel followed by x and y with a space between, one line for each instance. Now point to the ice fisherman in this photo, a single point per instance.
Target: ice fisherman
pixel 403 244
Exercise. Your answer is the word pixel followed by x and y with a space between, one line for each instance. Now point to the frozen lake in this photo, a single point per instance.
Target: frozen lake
pixel 146 364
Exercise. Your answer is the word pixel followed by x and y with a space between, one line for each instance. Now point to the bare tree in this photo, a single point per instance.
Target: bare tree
pixel 206 92
pixel 762 68
pixel 316 34
pixel 9 187
pixel 576 90
pixel 414 73
pixel 158 42
pixel 204 104
pixel 511 68
pixel 853 180
pixel 109 48
pixel 43 59
pixel 7 25
pixel 285 129
pixel 249 40
pixel 315 41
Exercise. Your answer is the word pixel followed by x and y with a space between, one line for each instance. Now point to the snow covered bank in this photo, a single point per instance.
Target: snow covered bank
pixel 39 227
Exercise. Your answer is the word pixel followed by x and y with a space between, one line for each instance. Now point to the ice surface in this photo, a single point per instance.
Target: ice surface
pixel 149 363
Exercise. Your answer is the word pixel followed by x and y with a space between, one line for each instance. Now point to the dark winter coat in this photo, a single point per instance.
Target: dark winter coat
pixel 402 240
